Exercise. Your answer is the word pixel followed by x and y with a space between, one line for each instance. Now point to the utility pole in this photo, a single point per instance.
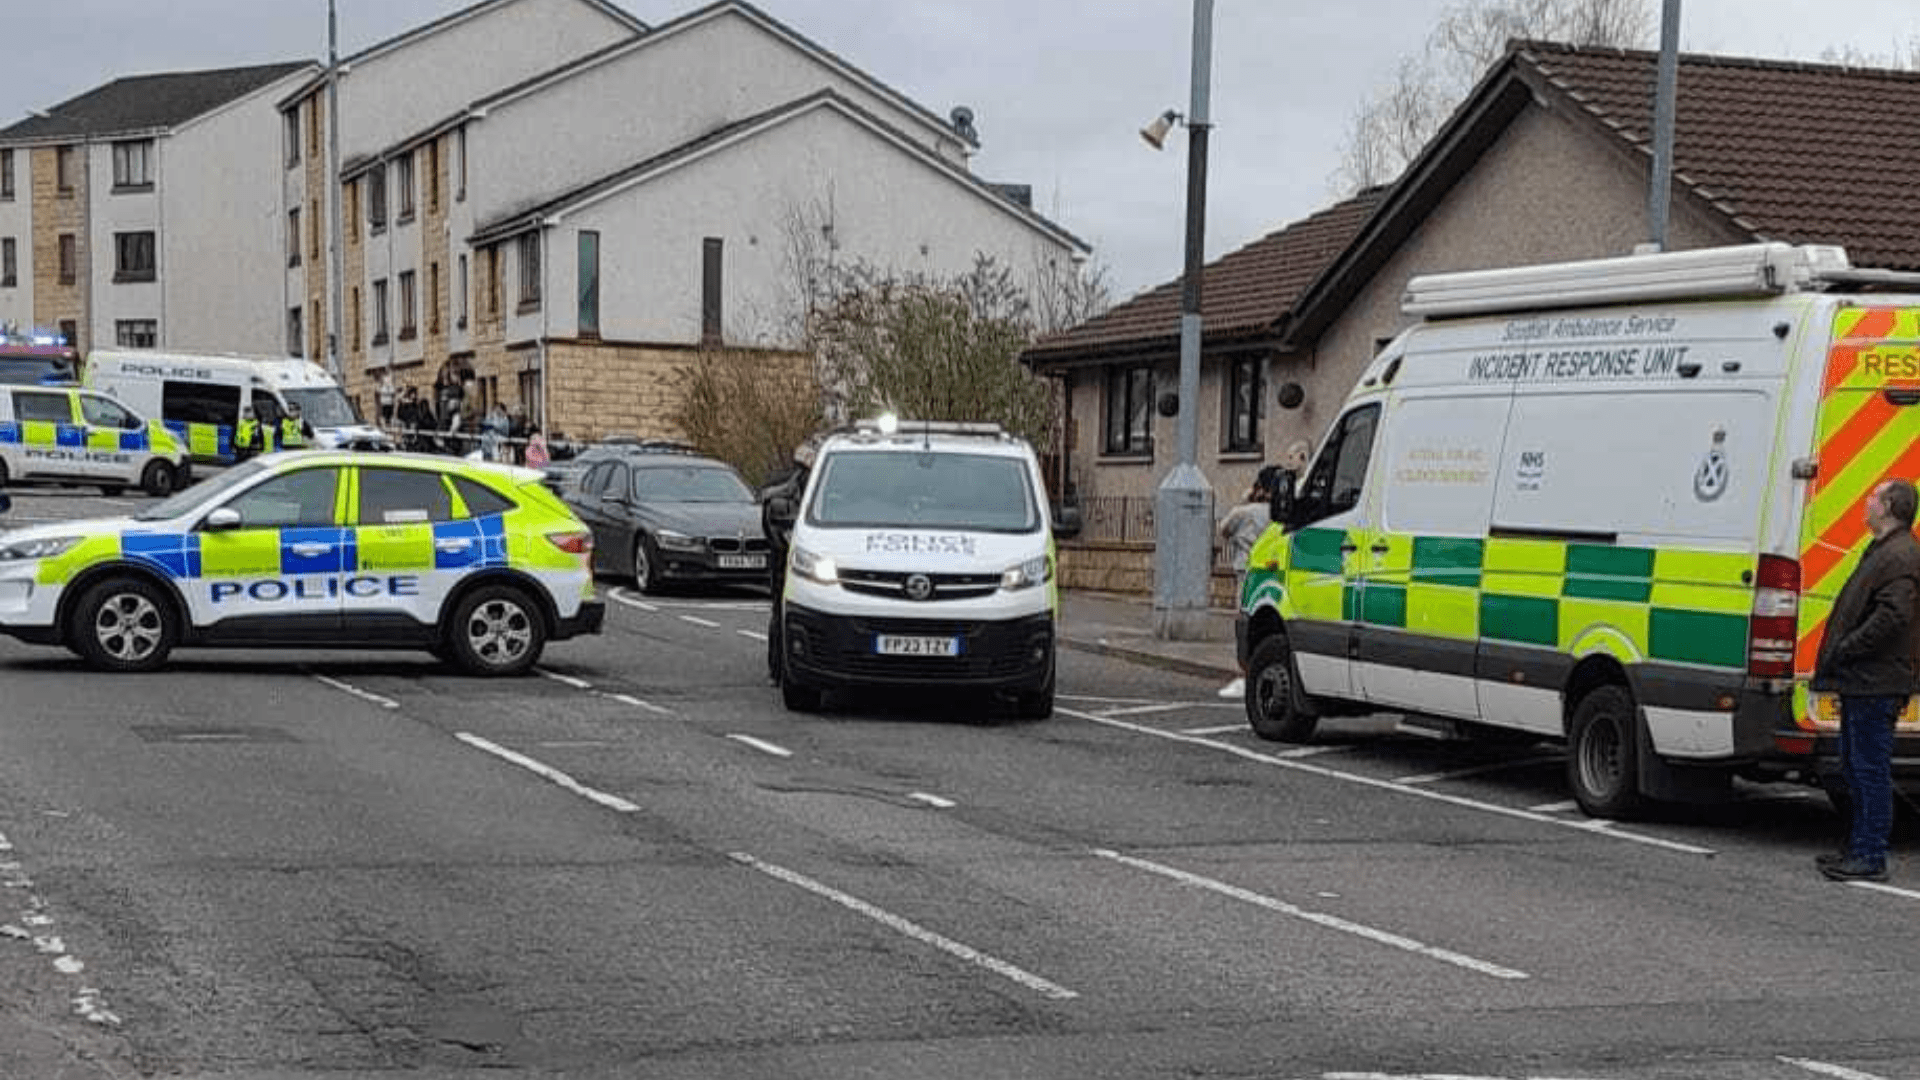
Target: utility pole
pixel 1666 92
pixel 329 180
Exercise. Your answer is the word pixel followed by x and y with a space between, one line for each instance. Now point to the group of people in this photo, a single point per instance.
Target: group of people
pixel 434 424
pixel 289 432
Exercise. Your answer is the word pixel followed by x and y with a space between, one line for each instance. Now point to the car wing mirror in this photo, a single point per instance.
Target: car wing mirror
pixel 781 509
pixel 221 520
pixel 1280 510
pixel 1066 522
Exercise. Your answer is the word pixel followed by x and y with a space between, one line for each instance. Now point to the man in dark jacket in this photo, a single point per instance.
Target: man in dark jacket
pixel 1867 657
pixel 779 502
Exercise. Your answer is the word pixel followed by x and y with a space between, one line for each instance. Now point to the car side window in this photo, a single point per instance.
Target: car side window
pixel 30 405
pixel 481 500
pixel 102 412
pixel 403 497
pixel 1339 474
pixel 293 500
pixel 595 483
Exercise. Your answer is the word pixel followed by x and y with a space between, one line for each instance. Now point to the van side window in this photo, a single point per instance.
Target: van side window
pixel 51 408
pixel 1334 483
pixel 102 412
pixel 199 403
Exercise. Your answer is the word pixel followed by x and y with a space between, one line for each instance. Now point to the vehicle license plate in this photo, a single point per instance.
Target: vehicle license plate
pixel 894 645
pixel 743 562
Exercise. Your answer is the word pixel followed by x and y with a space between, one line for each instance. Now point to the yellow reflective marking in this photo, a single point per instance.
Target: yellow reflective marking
pixel 1838 409
pixel 241 553
pixel 90 550
pixel 102 439
pixel 39 433
pixel 1605 626
pixel 1728 599
pixel 1447 611
pixel 204 440
pixel 1397 559
pixel 1317 596
pixel 1525 556
pixel 1702 567
pixel 395 547
pixel 1545 584
pixel 1842 493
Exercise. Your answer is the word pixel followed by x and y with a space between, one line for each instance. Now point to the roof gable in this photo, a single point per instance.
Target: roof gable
pixel 147 103
pixel 1248 292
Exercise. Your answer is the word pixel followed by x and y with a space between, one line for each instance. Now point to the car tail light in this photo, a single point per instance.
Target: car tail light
pixel 573 543
pixel 1773 632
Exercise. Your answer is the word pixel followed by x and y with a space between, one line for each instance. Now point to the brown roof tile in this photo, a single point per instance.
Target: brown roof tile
pixel 1243 292
pixel 1805 153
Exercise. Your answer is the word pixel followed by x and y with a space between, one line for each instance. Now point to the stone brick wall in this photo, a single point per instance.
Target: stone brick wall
pixel 314 263
pixel 1128 569
pixel 56 213
pixel 597 388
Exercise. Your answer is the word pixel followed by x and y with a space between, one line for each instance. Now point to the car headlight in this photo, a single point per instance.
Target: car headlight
pixel 27 550
pixel 1035 571
pixel 815 567
pixel 677 541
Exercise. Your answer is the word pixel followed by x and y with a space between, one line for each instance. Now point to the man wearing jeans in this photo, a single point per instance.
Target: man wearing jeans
pixel 1867 657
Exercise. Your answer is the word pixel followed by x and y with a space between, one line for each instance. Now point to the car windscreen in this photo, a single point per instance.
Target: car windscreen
pixel 688 483
pixel 205 491
pixel 322 406
pixel 914 489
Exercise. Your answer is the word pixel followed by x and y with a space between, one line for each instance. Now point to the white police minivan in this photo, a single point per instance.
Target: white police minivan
pixel 922 555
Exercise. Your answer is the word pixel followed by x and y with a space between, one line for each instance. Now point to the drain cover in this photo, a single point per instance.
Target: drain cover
pixel 161 733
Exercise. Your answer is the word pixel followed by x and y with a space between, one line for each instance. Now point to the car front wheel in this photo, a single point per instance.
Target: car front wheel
pixel 1276 706
pixel 496 630
pixel 123 624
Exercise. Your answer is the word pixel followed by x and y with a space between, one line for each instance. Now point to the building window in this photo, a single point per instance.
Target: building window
pixel 294 238
pixel 63 169
pixel 293 136
pixel 460 322
pixel 133 165
pixel 711 251
pixel 69 259
pixel 493 280
pixel 589 282
pixel 530 272
pixel 70 333
pixel 133 255
pixel 9 263
pixel 433 298
pixel 380 312
pixel 460 167
pixel 6 174
pixel 403 185
pixel 136 333
pixel 1243 405
pixel 377 199
pixel 356 316
pixel 433 176
pixel 313 128
pixel 1129 415
pixel 293 331
pixel 409 328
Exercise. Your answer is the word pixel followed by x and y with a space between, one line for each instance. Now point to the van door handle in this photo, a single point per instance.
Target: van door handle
pixel 1382 548
pixel 1348 549
pixel 310 549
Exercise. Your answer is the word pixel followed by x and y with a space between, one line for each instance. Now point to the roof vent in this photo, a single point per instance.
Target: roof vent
pixel 962 119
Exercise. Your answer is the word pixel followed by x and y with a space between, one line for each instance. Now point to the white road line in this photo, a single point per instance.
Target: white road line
pixel 1223 729
pixel 565 680
pixel 1841 1072
pixel 1283 761
pixel 1560 807
pixel 1106 700
pixel 913 930
pixel 385 703
pixel 761 745
pixel 1313 751
pixel 611 802
pixel 1332 922
pixel 1892 890
pixel 1142 710
pixel 1412 1076
pixel 754 634
pixel 1495 766
pixel 629 699
pixel 697 621
pixel 571 744
pixel 620 597
pixel 934 801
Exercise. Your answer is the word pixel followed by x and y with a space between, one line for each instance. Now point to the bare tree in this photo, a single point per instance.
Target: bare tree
pixel 1856 57
pixel 1391 127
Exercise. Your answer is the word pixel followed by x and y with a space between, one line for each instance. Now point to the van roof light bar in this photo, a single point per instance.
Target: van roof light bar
pixel 1745 270
pixel 931 427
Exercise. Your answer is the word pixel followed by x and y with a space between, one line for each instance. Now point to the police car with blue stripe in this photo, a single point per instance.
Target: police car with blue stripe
pixel 66 435
pixel 479 564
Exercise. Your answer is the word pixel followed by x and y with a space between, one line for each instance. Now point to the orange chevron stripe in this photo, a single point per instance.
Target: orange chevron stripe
pixel 1873 325
pixel 1807 650
pixel 1817 562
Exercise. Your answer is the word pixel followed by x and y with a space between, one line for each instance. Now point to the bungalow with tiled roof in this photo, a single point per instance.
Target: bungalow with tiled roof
pixel 1547 160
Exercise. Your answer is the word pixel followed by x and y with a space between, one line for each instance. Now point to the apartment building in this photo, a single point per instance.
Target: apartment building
pixel 141 213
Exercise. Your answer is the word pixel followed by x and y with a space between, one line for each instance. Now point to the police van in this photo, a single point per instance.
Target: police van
pixel 65 435
pixel 1606 502
pixel 478 564
pixel 200 397
pixel 921 555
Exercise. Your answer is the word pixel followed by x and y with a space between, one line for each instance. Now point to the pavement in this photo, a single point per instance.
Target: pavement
pixel 1121 626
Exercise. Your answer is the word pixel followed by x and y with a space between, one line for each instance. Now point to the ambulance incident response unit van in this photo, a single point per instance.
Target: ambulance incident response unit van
pixel 200 397
pixel 921 556
pixel 1610 502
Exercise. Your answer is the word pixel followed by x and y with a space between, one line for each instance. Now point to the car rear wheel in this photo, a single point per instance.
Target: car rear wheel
pixel 1603 754
pixel 157 479
pixel 123 624
pixel 496 630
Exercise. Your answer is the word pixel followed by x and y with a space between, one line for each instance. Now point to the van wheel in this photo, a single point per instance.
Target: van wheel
pixel 1035 704
pixel 4 477
pixel 123 624
pixel 1276 706
pixel 496 630
pixel 157 479
pixel 798 697
pixel 1603 754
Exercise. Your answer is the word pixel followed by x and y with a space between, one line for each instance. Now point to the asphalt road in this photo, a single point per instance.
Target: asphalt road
pixel 348 864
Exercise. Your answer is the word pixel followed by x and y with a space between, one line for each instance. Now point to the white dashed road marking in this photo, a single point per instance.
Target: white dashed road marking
pixel 611 802
pixel 761 745
pixel 566 680
pixel 697 621
pixel 934 801
pixel 913 930
pixel 346 688
pixel 1839 1072
pixel 1332 922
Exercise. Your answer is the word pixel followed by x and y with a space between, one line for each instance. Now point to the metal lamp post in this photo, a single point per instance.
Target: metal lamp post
pixel 1183 505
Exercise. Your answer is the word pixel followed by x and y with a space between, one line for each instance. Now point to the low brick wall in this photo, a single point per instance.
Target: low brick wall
pixel 1127 568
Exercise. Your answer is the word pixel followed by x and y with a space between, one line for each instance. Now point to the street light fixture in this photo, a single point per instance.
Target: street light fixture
pixel 1183 505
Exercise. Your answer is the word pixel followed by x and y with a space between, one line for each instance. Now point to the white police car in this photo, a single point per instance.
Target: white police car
pixel 479 564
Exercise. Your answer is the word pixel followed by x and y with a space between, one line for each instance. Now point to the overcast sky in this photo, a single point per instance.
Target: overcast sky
pixel 1059 88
